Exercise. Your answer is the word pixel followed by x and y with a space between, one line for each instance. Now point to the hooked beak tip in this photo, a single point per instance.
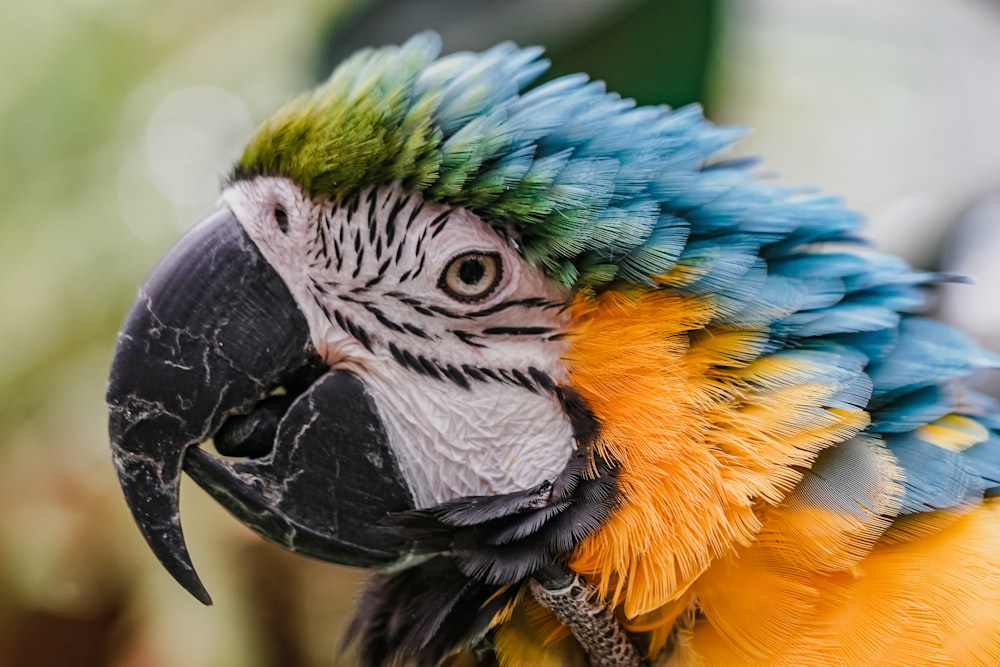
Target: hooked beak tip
pixel 152 492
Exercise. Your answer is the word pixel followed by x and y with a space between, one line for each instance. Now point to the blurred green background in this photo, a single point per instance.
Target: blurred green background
pixel 118 121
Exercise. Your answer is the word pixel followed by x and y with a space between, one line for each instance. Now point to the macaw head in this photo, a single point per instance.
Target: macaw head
pixel 374 318
pixel 383 319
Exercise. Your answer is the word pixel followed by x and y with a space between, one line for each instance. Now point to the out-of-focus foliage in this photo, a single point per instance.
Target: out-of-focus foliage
pixel 654 51
pixel 109 111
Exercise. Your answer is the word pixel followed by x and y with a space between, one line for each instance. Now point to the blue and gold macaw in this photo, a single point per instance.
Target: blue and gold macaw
pixel 579 390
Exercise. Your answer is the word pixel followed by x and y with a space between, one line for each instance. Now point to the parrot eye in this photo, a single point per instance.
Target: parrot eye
pixel 471 276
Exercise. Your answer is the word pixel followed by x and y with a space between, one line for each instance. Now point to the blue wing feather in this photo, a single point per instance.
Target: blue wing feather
pixel 936 478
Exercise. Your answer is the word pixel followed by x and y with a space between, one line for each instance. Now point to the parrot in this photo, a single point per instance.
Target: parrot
pixel 575 384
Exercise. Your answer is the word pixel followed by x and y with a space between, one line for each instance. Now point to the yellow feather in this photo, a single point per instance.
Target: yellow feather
pixel 698 445
pixel 532 637
pixel 954 432
pixel 930 601
pixel 755 603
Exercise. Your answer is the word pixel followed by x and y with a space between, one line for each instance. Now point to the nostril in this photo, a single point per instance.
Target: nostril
pixel 252 436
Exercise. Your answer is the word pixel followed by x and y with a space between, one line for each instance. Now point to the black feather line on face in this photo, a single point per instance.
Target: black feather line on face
pixel 321 250
pixel 357 332
pixel 420 267
pixel 467 337
pixel 530 302
pixel 413 214
pixel 455 375
pixel 479 550
pixel 390 223
pixel 418 248
pixel 352 206
pixel 533 380
pixel 517 331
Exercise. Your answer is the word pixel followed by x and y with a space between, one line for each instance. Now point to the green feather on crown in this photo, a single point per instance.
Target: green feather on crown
pixel 600 189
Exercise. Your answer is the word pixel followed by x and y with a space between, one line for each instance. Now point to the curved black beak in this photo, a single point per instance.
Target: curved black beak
pixel 214 331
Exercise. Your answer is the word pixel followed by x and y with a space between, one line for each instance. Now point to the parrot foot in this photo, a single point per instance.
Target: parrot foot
pixel 572 600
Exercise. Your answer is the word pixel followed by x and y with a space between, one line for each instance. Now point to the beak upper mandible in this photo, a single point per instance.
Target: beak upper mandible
pixel 212 332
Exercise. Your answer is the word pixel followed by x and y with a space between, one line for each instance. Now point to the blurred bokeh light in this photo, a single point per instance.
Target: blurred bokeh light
pixel 119 120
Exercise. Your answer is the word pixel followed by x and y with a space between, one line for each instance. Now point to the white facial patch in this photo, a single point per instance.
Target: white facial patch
pixel 456 337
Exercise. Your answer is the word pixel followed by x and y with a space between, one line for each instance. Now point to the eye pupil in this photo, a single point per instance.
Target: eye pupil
pixel 471 276
pixel 471 271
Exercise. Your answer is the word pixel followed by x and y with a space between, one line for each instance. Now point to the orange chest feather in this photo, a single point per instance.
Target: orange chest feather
pixel 704 430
